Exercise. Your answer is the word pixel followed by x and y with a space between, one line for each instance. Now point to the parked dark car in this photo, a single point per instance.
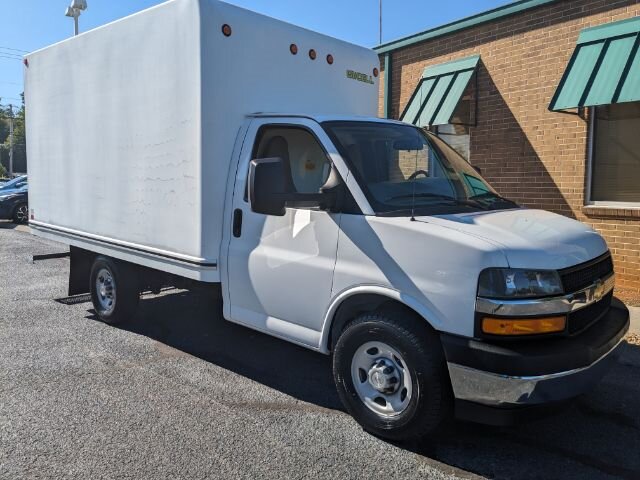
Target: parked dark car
pixel 14 204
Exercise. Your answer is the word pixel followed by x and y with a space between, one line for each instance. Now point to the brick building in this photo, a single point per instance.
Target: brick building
pixel 546 105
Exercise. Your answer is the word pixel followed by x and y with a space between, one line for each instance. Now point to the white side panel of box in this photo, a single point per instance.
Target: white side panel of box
pixel 114 132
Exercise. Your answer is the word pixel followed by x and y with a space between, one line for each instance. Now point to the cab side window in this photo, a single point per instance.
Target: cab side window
pixel 301 153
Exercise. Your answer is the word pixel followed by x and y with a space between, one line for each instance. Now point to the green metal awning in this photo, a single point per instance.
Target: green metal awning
pixel 439 92
pixel 604 68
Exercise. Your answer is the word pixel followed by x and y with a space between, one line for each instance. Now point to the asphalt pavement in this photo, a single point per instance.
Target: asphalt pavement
pixel 180 393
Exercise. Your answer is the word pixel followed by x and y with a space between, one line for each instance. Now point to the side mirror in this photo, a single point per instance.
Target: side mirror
pixel 267 186
pixel 269 190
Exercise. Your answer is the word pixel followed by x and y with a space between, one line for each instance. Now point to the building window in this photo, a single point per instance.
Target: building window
pixel 615 154
pixel 458 136
pixel 458 132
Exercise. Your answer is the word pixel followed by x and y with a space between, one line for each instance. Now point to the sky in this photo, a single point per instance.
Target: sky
pixel 27 25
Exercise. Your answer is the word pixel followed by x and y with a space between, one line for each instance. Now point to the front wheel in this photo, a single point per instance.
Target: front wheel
pixel 391 376
pixel 115 291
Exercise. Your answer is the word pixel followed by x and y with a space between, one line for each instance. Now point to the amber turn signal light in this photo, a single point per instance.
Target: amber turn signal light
pixel 529 326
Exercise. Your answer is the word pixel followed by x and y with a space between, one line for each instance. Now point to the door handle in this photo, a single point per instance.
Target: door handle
pixel 237 222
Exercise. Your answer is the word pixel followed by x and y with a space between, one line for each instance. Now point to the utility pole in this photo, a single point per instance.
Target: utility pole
pixel 380 16
pixel 10 141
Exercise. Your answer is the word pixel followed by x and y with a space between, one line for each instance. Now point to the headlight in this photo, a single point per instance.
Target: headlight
pixel 518 283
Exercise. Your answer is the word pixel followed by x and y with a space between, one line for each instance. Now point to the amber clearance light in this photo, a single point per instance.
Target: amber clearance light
pixel 515 326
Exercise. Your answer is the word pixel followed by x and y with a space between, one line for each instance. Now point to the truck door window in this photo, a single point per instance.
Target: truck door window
pixel 299 149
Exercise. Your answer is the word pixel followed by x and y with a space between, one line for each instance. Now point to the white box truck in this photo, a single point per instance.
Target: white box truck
pixel 200 143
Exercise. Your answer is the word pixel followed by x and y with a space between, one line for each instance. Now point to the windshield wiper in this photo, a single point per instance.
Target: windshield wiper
pixel 491 195
pixel 453 200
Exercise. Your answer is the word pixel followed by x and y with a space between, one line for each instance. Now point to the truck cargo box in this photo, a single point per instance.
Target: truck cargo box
pixel 131 126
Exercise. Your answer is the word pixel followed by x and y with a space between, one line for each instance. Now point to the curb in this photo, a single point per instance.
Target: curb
pixel 634 316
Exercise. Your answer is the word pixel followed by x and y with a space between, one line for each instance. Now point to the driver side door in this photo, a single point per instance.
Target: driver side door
pixel 280 268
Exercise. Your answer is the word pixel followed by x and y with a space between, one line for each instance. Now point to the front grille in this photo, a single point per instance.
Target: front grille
pixel 581 276
pixel 585 317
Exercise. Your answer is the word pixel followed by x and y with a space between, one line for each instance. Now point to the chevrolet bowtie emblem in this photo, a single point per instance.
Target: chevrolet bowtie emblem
pixel 598 289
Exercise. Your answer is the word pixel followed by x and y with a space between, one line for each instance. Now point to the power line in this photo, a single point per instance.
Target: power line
pixel 12 58
pixel 15 49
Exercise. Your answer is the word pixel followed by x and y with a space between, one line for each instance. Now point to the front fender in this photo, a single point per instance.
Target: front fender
pixel 428 312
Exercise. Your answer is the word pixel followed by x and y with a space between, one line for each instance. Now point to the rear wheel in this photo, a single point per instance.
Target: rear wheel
pixel 21 213
pixel 391 376
pixel 114 290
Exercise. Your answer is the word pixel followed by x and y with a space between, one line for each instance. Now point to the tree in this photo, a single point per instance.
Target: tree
pixel 19 137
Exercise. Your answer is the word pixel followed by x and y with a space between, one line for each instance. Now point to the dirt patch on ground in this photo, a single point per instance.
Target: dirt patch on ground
pixel 630 297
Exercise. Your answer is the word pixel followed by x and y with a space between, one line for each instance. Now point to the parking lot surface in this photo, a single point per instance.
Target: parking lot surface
pixel 180 393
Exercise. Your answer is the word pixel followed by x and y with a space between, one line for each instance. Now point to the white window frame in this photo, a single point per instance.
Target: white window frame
pixel 589 170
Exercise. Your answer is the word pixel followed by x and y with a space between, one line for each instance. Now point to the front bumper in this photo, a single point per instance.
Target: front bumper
pixel 529 373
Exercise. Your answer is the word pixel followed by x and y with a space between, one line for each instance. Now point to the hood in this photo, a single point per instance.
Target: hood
pixel 529 238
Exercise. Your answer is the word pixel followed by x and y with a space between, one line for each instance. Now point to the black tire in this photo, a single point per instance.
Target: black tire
pixel 430 403
pixel 126 287
pixel 21 213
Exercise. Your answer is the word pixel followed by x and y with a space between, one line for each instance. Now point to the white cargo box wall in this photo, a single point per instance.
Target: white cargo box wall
pixel 131 127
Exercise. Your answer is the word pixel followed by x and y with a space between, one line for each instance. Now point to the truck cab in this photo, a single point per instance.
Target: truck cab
pixel 361 237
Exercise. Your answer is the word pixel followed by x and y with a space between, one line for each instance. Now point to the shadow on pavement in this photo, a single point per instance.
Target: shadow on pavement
pixel 8 225
pixel 192 322
pixel 597 436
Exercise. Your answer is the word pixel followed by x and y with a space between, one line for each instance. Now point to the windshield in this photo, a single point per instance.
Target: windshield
pixel 18 182
pixel 405 171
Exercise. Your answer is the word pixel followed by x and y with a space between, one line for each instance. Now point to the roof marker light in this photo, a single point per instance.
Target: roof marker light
pixel 226 30
pixel 375 72
pixel 26 62
pixel 330 59
pixel 293 48
pixel 312 54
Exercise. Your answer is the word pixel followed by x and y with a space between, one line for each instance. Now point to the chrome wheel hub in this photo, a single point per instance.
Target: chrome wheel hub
pixel 105 287
pixel 384 376
pixel 381 378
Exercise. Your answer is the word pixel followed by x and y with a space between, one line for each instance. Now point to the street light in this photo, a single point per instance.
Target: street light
pixel 74 10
